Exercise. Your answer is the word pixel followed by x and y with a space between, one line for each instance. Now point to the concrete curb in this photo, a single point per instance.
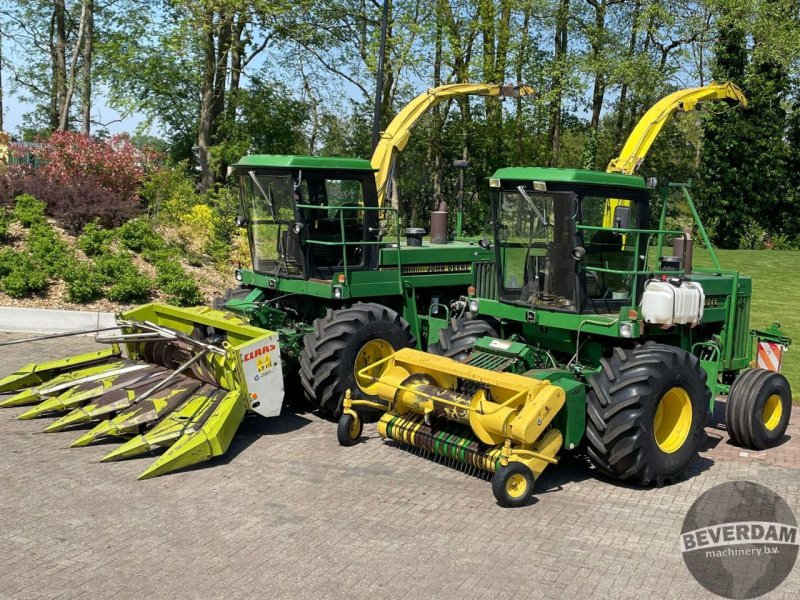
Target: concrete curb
pixel 39 320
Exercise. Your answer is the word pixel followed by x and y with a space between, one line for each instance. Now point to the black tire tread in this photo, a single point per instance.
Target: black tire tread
pixel 322 347
pixel 740 406
pixel 615 406
pixel 460 336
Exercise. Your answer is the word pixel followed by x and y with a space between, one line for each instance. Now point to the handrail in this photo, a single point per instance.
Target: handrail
pixel 344 244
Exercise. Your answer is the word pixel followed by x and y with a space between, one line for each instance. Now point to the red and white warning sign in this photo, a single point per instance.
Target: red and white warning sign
pixel 770 355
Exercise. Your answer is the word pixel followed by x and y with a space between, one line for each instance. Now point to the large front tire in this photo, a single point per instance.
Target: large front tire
pixel 343 342
pixel 458 339
pixel 645 413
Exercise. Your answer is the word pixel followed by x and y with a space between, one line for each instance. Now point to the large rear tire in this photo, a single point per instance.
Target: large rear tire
pixel 645 413
pixel 758 409
pixel 343 342
pixel 458 339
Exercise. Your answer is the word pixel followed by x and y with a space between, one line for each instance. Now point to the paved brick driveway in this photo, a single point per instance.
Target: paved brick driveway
pixel 287 513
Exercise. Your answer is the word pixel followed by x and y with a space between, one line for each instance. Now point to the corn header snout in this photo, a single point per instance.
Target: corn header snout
pixel 494 422
pixel 180 379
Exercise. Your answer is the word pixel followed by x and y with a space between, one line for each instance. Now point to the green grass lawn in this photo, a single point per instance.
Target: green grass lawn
pixel 776 295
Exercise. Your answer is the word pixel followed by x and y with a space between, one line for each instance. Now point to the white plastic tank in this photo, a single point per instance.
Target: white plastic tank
pixel 674 301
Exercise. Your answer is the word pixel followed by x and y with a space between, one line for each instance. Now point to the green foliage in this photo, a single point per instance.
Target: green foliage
pixel 177 284
pixel 94 239
pixel 47 249
pixel 127 283
pixel 168 192
pixel 131 287
pixel 113 265
pixel 28 210
pixel 6 218
pixel 138 235
pixel 24 276
pixel 746 197
pixel 266 120
pixel 84 283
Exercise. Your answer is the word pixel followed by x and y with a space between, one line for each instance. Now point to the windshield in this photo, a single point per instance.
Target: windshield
pixel 608 253
pixel 268 207
pixel 536 233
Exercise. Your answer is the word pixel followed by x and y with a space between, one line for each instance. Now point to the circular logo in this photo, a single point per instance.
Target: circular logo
pixel 739 540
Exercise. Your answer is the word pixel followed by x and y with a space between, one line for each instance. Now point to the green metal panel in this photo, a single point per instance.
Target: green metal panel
pixel 288 161
pixel 571 420
pixel 575 176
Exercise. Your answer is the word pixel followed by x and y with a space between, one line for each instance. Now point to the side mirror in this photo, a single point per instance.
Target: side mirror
pixel 578 252
pixel 485 243
pixel 622 217
pixel 241 221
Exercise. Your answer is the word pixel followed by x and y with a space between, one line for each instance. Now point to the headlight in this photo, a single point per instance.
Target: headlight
pixel 337 293
pixel 473 305
pixel 626 330
pixel 238 274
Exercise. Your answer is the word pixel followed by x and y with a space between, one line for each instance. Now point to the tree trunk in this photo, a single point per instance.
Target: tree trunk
pixel 559 56
pixel 207 102
pixel 88 50
pixel 599 90
pixel 619 127
pixel 71 79
pixel 495 33
pixel 1 80
pixel 59 61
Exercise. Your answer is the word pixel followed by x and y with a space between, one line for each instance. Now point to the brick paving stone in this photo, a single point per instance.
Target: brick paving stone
pixel 288 513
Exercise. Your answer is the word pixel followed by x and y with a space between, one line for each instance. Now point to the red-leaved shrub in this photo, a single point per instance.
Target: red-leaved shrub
pixel 80 179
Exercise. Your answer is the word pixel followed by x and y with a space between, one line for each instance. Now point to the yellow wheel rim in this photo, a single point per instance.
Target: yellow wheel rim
pixel 354 426
pixel 773 411
pixel 516 486
pixel 673 420
pixel 370 353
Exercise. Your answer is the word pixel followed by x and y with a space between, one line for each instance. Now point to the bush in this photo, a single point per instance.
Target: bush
pixel 6 217
pixel 112 266
pixel 131 287
pixel 48 250
pixel 81 178
pixel 28 210
pixel 84 283
pixel 168 193
pixel 94 239
pixel 24 276
pixel 138 235
pixel 179 286
pixel 7 258
pixel 80 202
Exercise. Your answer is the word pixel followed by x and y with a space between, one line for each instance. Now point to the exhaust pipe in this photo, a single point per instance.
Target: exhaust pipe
pixel 439 224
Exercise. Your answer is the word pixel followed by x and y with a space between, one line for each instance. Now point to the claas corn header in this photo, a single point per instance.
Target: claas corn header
pixel 178 379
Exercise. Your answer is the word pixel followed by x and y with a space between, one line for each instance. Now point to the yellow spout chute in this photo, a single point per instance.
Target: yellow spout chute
pixel 649 126
pixel 395 137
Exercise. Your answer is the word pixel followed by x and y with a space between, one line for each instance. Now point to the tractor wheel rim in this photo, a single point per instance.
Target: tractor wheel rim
pixel 516 486
pixel 370 353
pixel 673 420
pixel 772 413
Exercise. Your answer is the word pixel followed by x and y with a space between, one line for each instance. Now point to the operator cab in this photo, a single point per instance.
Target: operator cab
pixel 565 238
pixel 305 215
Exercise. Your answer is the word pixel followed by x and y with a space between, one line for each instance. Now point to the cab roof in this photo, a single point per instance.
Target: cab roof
pixel 293 161
pixel 574 176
